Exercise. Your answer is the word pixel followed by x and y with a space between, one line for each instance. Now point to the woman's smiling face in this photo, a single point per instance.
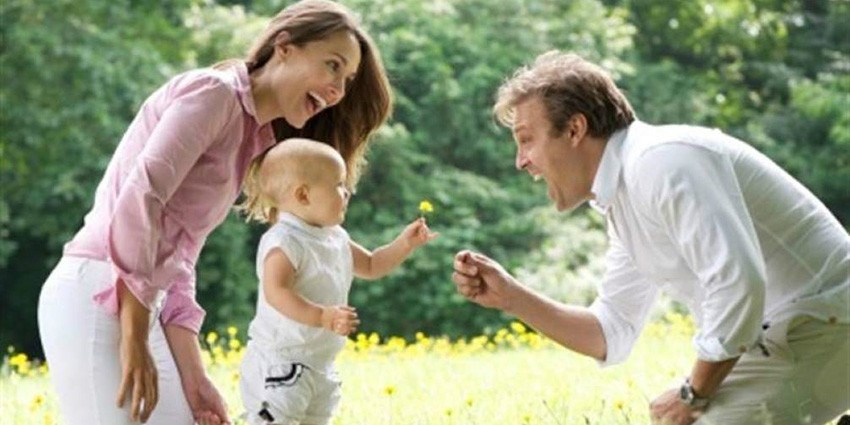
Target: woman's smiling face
pixel 314 76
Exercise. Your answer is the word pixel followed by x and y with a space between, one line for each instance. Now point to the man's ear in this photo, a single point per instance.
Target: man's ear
pixel 302 194
pixel 576 128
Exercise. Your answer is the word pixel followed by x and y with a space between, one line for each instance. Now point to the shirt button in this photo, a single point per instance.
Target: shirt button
pixel 832 320
pixel 742 349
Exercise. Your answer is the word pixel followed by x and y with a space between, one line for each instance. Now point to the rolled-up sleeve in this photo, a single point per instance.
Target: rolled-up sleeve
pixel 623 304
pixel 181 307
pixel 187 127
pixel 695 196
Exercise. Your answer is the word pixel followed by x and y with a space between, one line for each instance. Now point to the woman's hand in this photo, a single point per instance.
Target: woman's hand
pixel 207 404
pixel 139 380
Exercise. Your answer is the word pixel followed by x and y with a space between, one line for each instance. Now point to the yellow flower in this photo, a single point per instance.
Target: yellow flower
pixel 212 337
pixel 36 402
pixel 234 344
pixel 389 390
pixel 18 360
pixel 231 330
pixel 425 207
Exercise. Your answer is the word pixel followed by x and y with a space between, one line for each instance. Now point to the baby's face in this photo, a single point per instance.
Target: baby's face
pixel 328 195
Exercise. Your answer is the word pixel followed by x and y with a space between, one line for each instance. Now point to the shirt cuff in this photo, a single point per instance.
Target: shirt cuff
pixel 182 310
pixel 711 349
pixel 149 297
pixel 616 335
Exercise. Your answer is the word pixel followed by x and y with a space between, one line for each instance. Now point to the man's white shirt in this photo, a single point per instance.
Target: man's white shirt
pixel 719 227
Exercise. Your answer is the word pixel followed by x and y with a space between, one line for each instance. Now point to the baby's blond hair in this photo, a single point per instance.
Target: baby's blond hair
pixel 284 165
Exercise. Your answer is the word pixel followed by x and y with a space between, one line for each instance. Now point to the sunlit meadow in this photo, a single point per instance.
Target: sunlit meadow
pixel 512 376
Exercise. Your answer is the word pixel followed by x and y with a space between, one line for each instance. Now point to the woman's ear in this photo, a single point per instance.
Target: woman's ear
pixel 282 45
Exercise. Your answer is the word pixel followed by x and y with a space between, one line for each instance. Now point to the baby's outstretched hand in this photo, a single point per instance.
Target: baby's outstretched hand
pixel 340 319
pixel 417 233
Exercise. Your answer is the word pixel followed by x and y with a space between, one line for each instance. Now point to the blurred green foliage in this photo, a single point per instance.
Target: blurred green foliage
pixel 772 72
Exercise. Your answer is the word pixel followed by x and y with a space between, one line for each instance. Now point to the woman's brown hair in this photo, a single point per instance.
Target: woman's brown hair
pixel 345 126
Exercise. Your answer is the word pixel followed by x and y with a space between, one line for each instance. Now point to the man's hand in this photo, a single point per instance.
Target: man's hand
pixel 667 409
pixel 207 404
pixel 340 319
pixel 483 280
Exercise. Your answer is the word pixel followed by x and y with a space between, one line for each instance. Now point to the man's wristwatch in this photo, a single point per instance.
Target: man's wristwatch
pixel 689 398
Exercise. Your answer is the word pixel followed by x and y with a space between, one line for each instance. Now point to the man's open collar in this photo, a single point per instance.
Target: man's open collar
pixel 608 174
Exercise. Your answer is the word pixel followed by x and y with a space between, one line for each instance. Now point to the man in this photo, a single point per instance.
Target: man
pixel 762 265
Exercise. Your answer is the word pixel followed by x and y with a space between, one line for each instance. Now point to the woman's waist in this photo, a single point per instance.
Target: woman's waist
pixel 173 240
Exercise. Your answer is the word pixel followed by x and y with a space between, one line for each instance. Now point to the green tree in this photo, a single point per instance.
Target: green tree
pixel 73 75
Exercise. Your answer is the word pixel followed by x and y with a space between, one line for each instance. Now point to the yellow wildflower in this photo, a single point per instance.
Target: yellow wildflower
pixel 426 207
pixel 36 402
pixel 234 344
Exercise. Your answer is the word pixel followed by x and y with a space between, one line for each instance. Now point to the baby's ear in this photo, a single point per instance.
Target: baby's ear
pixel 302 194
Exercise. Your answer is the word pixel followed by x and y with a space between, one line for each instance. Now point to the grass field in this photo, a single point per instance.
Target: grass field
pixel 510 377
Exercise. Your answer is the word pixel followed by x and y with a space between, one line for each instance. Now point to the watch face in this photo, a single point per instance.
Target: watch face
pixel 686 394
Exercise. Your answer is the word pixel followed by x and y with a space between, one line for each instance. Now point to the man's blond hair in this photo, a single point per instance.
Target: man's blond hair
pixel 567 84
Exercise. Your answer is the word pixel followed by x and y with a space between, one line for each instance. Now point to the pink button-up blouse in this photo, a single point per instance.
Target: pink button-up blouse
pixel 172 180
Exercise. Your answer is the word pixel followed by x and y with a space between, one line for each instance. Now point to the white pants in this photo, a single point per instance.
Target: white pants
pixel 80 342
pixel 804 380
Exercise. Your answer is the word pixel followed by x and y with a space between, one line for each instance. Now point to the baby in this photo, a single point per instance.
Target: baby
pixel 305 263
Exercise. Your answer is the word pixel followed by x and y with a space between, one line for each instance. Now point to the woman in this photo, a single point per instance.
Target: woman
pixel 117 316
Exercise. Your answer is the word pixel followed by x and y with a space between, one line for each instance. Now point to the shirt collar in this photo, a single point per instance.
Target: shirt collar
pixel 243 89
pixel 299 224
pixel 246 98
pixel 608 175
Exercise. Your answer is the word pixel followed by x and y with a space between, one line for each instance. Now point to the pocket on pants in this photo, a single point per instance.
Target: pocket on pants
pixel 286 393
pixel 776 337
pixel 283 375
